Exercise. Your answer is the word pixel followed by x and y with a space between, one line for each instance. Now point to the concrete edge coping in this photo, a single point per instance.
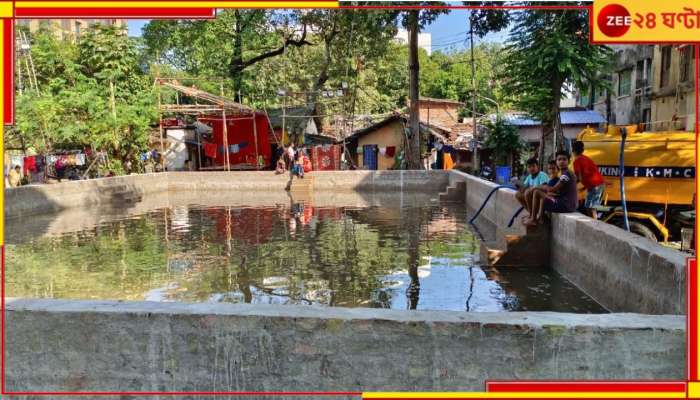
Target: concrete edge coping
pixel 635 241
pixel 528 318
pixel 673 256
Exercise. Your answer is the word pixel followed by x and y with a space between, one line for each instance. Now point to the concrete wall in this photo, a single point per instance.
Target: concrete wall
pixel 57 345
pixel 39 199
pixel 620 270
pixel 62 345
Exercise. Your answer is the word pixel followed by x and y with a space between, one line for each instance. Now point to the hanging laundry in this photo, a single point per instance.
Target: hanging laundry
pixel 285 138
pixel 40 163
pixel 70 159
pixel 29 164
pixel 390 151
pixel 359 150
pixel 438 146
pixel 447 162
pixel 210 150
pixel 80 159
pixel 382 151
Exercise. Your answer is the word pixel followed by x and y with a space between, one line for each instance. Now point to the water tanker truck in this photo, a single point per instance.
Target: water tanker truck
pixel 659 180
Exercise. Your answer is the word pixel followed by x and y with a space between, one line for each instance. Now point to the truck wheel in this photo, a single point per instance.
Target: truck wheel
pixel 642 230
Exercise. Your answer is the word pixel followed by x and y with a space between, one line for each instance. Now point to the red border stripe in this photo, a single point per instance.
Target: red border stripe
pixel 649 387
pixel 8 72
pixel 691 330
pixel 86 12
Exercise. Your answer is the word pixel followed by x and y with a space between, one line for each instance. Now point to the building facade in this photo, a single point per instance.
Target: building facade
pixel 673 95
pixel 70 29
pixel 650 85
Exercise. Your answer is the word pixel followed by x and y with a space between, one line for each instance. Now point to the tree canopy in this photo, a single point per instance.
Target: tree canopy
pixel 90 94
pixel 98 91
pixel 547 49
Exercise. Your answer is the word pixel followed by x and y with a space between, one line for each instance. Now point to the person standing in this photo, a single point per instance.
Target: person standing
pixel 587 173
pixel 14 177
pixel 290 154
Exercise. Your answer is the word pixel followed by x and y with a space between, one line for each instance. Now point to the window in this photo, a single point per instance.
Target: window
pixel 624 83
pixel 583 98
pixel 687 63
pixel 646 116
pixel 77 30
pixel 665 65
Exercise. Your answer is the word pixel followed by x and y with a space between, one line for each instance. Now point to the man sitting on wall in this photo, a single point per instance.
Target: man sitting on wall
pixel 534 178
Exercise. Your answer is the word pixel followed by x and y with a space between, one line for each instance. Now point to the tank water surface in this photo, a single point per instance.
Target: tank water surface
pixel 413 257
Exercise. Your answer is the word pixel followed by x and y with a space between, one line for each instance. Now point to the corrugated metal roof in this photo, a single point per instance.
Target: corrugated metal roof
pixel 580 117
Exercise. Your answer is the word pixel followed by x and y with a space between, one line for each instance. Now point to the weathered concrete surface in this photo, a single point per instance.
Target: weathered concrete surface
pixel 23 228
pixel 41 199
pixel 620 270
pixel 57 345
pixel 38 199
pixel 429 181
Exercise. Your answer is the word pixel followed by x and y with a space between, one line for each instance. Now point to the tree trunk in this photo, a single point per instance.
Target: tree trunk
pixel 414 221
pixel 549 123
pixel 236 65
pixel 313 108
pixel 414 124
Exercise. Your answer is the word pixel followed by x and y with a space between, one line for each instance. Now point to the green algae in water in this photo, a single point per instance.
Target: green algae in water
pixel 421 257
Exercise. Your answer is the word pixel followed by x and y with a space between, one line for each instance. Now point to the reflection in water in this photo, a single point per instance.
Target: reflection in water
pixel 415 257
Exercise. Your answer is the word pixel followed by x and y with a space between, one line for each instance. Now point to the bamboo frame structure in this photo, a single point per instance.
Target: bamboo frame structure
pixel 230 110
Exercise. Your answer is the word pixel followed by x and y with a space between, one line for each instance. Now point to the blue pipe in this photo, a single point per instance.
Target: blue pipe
pixel 494 190
pixel 515 216
pixel 623 131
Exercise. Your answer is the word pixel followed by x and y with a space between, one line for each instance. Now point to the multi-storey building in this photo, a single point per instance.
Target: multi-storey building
pixel 70 29
pixel 649 84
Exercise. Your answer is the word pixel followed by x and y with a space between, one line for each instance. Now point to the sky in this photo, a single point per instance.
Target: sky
pixel 448 31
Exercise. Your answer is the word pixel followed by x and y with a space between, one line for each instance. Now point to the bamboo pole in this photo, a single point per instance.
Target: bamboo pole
pixel 199 150
pixel 255 138
pixel 227 161
pixel 284 119
pixel 160 130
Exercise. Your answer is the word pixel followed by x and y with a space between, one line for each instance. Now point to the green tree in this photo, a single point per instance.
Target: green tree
pixel 504 140
pixel 546 50
pixel 227 45
pixel 90 94
pixel 414 20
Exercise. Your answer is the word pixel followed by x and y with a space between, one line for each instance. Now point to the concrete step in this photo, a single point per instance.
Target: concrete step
pixel 529 250
pixel 305 184
pixel 455 193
